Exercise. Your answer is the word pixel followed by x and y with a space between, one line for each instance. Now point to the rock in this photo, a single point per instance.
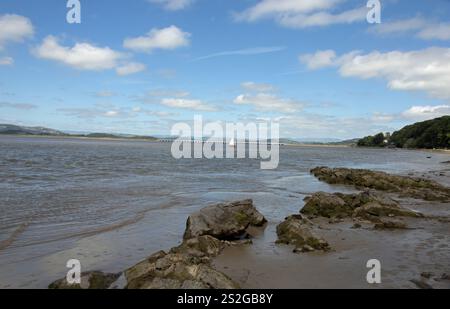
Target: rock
pixel 298 231
pixel 200 246
pixel 373 211
pixel 184 267
pixel 326 205
pixel 405 186
pixel 227 221
pixel 356 226
pixel 89 280
pixel 369 205
pixel 390 225
pixel 177 271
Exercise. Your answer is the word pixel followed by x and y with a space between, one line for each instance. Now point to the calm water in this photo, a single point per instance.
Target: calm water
pixel 112 203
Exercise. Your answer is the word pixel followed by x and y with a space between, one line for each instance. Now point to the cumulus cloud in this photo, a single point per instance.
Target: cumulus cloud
pixel 173 5
pixel 259 87
pixel 82 56
pixel 14 28
pixel 86 56
pixel 301 14
pixel 425 70
pixel 169 38
pixel 197 105
pixel 426 112
pixel 268 102
pixel 419 26
pixel 130 68
pixel 6 61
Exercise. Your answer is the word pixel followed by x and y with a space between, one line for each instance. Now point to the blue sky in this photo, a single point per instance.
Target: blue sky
pixel 139 66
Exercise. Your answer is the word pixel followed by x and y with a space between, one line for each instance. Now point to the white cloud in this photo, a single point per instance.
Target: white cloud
pixel 6 61
pixel 82 56
pixel 425 70
pixel 423 29
pixel 167 38
pixel 323 18
pixel 399 26
pixel 320 59
pixel 173 5
pixel 426 112
pixel 439 31
pixel 14 28
pixel 187 104
pixel 301 14
pixel 259 87
pixel 130 68
pixel 270 8
pixel 268 102
pixel 317 126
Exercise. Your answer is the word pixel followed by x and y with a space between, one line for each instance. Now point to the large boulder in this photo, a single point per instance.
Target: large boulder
pixel 89 280
pixel 226 221
pixel 298 231
pixel 405 186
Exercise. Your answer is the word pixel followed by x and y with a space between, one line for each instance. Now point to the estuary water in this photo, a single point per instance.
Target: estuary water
pixel 112 203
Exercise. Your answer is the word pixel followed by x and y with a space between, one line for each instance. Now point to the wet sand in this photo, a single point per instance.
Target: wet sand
pixel 418 254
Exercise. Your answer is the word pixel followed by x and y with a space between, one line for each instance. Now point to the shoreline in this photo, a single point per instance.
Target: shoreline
pixel 109 139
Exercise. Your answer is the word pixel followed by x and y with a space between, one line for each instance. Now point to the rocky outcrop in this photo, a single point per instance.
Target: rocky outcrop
pixel 188 266
pixel 405 186
pixel 184 267
pixel 89 280
pixel 227 221
pixel 368 205
pixel 298 231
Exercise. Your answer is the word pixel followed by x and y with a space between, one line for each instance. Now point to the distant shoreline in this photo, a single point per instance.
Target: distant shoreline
pixel 125 139
pixel 84 138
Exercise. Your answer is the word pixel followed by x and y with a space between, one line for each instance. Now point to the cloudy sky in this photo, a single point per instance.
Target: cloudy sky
pixel 139 66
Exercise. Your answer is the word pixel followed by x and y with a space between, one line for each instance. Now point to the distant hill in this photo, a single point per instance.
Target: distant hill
pixel 20 130
pixel 9 129
pixel 428 134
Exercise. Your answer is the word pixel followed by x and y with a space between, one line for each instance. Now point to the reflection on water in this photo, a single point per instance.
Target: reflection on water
pixel 111 203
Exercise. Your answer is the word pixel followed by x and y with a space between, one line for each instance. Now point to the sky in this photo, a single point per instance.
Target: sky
pixel 139 66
